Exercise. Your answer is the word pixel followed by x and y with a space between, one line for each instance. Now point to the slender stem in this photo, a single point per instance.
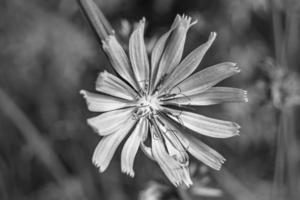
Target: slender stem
pixel 277 32
pixel 96 18
pixel 285 184
pixel 278 190
pixel 292 32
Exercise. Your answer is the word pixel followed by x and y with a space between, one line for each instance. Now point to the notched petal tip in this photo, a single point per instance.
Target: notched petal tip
pixel 188 185
pixel 237 133
pixel 143 20
pixel 140 24
pixel 183 20
pixel 83 92
pixel 212 36
pixel 186 21
pixel 236 125
pixel 101 169
pixel 194 22
pixel 218 166
pixel 235 66
pixel 128 172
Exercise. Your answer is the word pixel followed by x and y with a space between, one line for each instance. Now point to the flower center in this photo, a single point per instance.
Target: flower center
pixel 146 105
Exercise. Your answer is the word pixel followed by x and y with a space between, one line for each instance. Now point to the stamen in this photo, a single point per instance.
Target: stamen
pixel 167 96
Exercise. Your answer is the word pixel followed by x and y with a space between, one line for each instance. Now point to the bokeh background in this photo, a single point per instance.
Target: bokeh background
pixel 48 53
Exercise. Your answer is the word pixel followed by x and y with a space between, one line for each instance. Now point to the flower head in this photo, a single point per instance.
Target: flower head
pixel 145 102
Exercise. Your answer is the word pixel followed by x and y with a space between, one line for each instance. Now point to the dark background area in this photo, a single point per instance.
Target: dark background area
pixel 48 53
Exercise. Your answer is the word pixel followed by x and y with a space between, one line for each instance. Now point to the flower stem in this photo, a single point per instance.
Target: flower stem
pixel 96 18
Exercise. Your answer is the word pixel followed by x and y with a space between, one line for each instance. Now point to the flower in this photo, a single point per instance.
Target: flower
pixel 147 98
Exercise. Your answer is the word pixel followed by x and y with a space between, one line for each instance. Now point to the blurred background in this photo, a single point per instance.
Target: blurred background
pixel 49 52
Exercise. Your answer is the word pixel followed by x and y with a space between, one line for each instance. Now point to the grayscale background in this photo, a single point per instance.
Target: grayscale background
pixel 48 52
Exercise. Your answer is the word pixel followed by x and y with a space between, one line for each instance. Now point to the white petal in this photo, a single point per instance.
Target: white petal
pixel 174 129
pixel 182 157
pixel 174 48
pixel 147 151
pixel 108 145
pixel 110 84
pixel 205 154
pixel 169 133
pixel 103 103
pixel 131 146
pixel 172 168
pixel 138 56
pixel 199 150
pixel 188 65
pixel 205 79
pixel 107 123
pixel 214 95
pixel 205 125
pixel 119 60
pixel 158 50
pixel 156 56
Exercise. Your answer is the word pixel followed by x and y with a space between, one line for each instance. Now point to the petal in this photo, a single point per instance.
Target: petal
pixel 107 123
pixel 131 146
pixel 108 145
pixel 103 103
pixel 204 153
pixel 214 95
pixel 138 56
pixel 198 149
pixel 173 169
pixel 205 79
pixel 188 65
pixel 156 56
pixel 119 60
pixel 205 125
pixel 158 49
pixel 171 132
pixel 182 157
pixel 110 84
pixel 174 48
pixel 147 151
